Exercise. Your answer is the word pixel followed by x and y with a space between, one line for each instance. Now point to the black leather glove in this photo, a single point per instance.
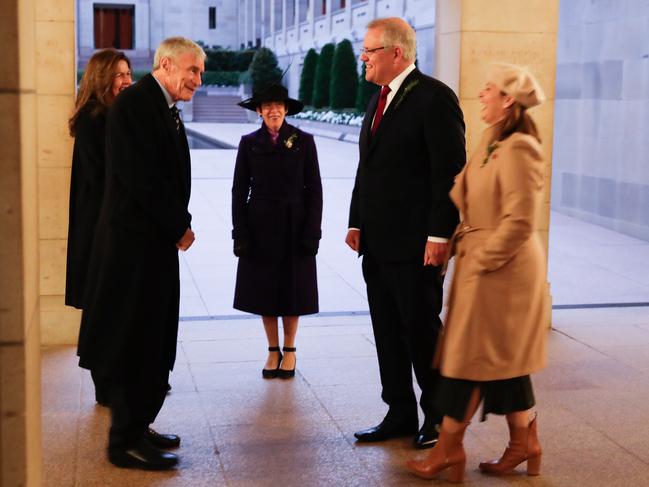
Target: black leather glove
pixel 241 247
pixel 309 246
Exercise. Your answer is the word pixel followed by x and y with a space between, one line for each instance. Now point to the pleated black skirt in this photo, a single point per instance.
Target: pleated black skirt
pixel 497 396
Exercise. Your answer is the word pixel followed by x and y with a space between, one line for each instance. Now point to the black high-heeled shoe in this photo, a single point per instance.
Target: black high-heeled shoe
pixel 272 373
pixel 287 374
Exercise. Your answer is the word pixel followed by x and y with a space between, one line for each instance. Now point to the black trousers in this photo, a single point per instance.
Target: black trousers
pixel 135 401
pixel 405 300
pixel 102 386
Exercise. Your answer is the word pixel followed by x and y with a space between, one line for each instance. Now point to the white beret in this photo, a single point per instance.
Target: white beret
pixel 517 82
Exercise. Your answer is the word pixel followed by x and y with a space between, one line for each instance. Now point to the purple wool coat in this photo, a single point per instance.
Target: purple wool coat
pixel 277 213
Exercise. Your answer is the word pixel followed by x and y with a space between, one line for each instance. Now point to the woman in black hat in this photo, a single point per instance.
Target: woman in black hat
pixel 276 215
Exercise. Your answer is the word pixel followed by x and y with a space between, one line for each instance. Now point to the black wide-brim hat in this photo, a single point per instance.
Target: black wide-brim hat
pixel 272 93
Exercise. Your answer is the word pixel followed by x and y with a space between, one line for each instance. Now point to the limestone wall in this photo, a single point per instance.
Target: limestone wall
pixel 20 423
pixel 601 149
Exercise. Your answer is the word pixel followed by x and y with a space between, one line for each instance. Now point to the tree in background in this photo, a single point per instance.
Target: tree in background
pixel 307 77
pixel 344 77
pixel 264 70
pixel 365 91
pixel 323 76
pixel 218 59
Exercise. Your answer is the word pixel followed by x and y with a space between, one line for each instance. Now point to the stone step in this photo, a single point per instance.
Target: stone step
pixel 219 108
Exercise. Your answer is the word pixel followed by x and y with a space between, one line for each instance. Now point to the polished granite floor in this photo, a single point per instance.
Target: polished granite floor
pixel 240 430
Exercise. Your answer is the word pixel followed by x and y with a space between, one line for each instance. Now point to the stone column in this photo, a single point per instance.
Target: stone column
pixel 263 23
pixel 20 423
pixel 470 34
pixel 284 20
pixel 55 92
pixel 298 29
pixel 328 16
pixel 272 24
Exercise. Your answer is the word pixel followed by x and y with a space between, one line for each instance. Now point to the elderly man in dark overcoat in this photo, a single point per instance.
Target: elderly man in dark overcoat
pixel 130 322
pixel 411 147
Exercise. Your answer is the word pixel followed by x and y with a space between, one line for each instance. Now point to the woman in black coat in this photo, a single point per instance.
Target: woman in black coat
pixel 276 214
pixel 108 72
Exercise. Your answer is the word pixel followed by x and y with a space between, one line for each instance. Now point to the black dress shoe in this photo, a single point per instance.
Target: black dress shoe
pixel 162 441
pixel 386 430
pixel 272 373
pixel 143 456
pixel 427 436
pixel 283 373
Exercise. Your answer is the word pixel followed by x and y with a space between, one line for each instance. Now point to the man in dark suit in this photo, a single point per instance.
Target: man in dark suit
pixel 411 147
pixel 130 323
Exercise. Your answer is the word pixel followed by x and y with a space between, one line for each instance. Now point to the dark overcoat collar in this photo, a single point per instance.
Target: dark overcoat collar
pixel 264 143
pixel 179 139
pixel 367 141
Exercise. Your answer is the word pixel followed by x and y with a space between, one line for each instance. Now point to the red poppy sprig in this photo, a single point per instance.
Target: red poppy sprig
pixel 490 150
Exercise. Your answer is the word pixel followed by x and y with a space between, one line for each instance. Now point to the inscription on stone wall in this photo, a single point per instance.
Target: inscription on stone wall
pixel 523 56
pixel 535 51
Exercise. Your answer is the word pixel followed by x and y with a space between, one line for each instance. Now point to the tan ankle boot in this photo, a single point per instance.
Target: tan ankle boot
pixel 448 453
pixel 523 446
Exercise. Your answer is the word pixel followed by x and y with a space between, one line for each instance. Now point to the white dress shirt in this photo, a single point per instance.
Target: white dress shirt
pixel 394 85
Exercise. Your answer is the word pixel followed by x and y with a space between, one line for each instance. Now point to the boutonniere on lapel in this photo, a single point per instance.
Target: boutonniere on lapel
pixel 491 148
pixel 288 143
pixel 405 92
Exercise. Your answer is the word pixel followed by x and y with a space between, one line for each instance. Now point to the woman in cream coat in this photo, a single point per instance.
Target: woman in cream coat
pixel 496 328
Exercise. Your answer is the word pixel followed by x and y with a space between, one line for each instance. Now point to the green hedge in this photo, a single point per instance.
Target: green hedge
pixel 364 91
pixel 264 70
pixel 222 78
pixel 227 60
pixel 137 75
pixel 344 77
pixel 323 76
pixel 307 77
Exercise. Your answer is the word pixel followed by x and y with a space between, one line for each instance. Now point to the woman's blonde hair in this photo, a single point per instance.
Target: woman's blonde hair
pixel 174 47
pixel 95 88
pixel 517 120
pixel 397 32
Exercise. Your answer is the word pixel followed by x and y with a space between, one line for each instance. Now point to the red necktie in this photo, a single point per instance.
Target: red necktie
pixel 383 98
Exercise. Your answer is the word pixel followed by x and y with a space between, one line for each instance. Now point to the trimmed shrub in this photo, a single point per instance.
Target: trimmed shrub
pixel 323 76
pixel 227 60
pixel 264 70
pixel 222 78
pixel 365 91
pixel 307 77
pixel 344 77
pixel 135 74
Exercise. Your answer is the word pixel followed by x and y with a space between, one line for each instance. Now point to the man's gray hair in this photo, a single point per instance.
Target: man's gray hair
pixel 174 47
pixel 397 32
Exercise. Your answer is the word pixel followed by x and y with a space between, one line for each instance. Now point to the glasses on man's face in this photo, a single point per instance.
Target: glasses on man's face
pixel 367 51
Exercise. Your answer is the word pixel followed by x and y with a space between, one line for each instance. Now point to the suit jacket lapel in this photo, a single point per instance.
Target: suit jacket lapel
pixel 392 109
pixel 366 135
pixel 179 138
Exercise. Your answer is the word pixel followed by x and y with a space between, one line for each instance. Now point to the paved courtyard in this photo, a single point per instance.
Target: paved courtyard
pixel 239 430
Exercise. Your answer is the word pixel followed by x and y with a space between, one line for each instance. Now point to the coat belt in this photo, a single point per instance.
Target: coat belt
pixel 460 232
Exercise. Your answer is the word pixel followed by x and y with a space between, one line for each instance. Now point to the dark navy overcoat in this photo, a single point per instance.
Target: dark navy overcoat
pixel 277 211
